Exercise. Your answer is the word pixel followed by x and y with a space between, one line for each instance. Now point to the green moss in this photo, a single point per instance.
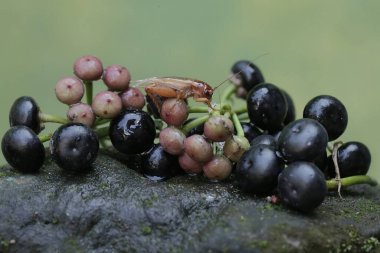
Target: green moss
pixel 146 230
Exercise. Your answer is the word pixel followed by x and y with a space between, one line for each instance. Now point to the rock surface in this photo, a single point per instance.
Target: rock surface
pixel 115 209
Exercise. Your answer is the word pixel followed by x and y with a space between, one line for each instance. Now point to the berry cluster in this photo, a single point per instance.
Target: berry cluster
pixel 260 146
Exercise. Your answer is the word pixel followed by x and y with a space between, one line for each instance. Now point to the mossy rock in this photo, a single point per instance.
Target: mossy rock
pixel 115 209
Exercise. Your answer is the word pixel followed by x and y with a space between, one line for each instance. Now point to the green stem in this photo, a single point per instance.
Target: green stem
pixel 52 118
pixel 102 132
pixel 333 184
pixel 45 137
pixel 101 121
pixel 240 110
pixel 89 90
pixel 238 127
pixel 227 94
pixel 186 128
pixel 198 109
pixel 243 117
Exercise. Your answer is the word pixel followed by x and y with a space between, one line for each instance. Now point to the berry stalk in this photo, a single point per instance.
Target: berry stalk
pixel 45 137
pixel 52 118
pixel 198 109
pixel 89 91
pixel 186 128
pixel 333 184
pixel 237 124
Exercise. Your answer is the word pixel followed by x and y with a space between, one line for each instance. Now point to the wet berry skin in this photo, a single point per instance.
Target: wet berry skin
pixel 302 186
pixel 22 149
pixel 302 140
pixel 265 139
pixel 328 111
pixel 132 132
pixel 267 107
pixel 250 131
pixel 74 147
pixel 159 165
pixel 291 114
pixel 258 169
pixel 354 158
pixel 247 74
pixel 25 112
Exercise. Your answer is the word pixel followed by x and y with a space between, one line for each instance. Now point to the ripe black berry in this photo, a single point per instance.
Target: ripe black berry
pixel 291 114
pixel 354 159
pixel 159 165
pixel 246 75
pixel 302 186
pixel 250 131
pixel 74 147
pixel 132 132
pixel 328 111
pixel 25 112
pixel 302 140
pixel 267 107
pixel 258 169
pixel 265 139
pixel 22 149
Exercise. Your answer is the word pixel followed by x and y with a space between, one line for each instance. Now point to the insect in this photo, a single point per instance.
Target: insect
pixel 177 87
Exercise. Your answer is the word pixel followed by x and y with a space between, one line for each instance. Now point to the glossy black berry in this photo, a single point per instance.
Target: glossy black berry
pixel 159 165
pixel 302 140
pixel 250 131
pixel 246 74
pixel 291 114
pixel 22 149
pixel 258 169
pixel 25 112
pixel 74 147
pixel 328 111
pixel 154 107
pixel 354 158
pixel 302 186
pixel 132 132
pixel 265 139
pixel 267 107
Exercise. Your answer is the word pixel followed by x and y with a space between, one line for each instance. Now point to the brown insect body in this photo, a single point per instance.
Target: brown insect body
pixel 178 87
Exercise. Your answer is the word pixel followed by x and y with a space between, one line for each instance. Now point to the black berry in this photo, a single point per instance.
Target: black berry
pixel 22 149
pixel 25 112
pixel 132 132
pixel 74 147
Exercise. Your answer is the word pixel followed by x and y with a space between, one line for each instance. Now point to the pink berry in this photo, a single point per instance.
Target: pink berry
pixel 88 68
pixel 132 98
pixel 218 168
pixel 189 165
pixel 198 148
pixel 116 77
pixel 107 104
pixel 81 113
pixel 172 140
pixel 218 128
pixel 174 111
pixel 69 90
pixel 234 147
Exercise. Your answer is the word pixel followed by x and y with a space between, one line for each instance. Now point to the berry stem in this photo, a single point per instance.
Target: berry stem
pixel 102 132
pixel 45 137
pixel 186 128
pixel 101 121
pixel 243 116
pixel 52 118
pixel 227 94
pixel 89 91
pixel 333 184
pixel 240 110
pixel 238 127
pixel 198 109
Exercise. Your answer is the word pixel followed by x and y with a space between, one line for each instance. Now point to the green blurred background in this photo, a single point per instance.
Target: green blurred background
pixel 313 48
